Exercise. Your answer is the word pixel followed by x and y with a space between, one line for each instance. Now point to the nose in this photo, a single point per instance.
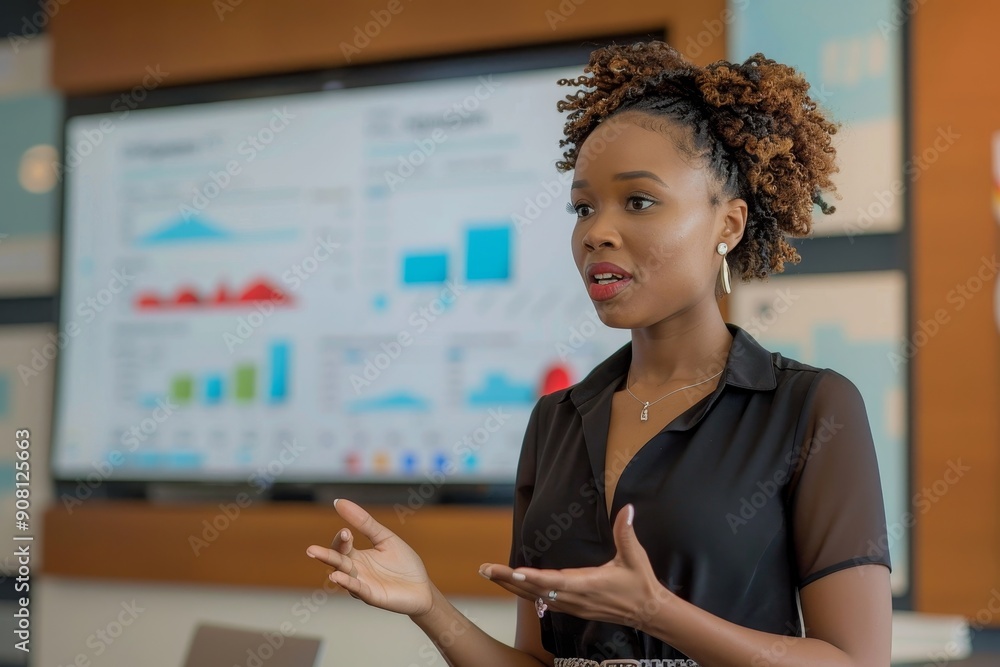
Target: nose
pixel 600 233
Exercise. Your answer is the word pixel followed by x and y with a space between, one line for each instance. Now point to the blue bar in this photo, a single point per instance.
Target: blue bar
pixel 186 459
pixel 488 253
pixel 279 372
pixel 213 390
pixel 427 268
pixel 147 459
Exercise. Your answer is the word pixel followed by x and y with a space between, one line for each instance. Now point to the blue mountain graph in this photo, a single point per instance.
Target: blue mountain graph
pixel 397 401
pixel 197 229
pixel 498 389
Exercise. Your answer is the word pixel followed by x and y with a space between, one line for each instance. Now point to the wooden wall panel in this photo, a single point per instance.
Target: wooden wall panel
pixel 957 371
pixel 107 44
pixel 261 544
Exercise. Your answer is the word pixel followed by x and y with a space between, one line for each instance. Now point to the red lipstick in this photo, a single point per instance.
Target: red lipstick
pixel 606 280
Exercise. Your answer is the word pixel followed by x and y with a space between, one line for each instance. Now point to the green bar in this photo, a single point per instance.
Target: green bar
pixel 246 382
pixel 182 388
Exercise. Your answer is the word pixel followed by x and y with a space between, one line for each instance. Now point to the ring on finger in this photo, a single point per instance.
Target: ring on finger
pixel 552 595
pixel 540 607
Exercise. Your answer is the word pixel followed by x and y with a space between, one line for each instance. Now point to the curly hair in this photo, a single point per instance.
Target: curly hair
pixel 754 124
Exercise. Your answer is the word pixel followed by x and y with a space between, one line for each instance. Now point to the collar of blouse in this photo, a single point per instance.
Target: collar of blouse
pixel 748 365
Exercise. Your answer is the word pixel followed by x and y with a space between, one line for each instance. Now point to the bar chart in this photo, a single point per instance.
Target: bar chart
pixel 486 250
pixel 243 384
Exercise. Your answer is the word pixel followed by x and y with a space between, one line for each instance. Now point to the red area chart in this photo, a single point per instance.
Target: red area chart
pixel 221 296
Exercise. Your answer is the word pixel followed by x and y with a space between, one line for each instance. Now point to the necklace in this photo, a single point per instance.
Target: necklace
pixel 644 415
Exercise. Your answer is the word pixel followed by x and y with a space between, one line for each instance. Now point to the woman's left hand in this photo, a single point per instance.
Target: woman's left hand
pixel 624 590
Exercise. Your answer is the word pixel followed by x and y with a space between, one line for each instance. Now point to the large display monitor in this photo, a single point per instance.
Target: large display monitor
pixel 352 276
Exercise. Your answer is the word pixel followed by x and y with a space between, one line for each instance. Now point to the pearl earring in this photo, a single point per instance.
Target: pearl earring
pixel 722 248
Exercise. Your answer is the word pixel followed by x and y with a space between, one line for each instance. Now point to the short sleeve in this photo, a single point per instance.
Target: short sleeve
pixel 524 483
pixel 837 509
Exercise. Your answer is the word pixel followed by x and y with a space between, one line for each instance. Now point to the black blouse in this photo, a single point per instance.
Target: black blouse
pixel 763 486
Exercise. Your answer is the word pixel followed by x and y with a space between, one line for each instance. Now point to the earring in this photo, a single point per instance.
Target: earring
pixel 722 248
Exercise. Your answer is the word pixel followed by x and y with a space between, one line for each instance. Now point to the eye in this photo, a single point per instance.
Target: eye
pixel 643 199
pixel 581 210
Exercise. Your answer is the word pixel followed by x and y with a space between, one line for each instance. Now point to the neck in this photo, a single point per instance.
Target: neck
pixel 686 347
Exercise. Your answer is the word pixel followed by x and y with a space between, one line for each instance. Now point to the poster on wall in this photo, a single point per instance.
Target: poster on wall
pixel 852 59
pixel 27 371
pixel 29 127
pixel 853 323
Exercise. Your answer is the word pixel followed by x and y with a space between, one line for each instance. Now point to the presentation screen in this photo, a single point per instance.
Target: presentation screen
pixel 365 283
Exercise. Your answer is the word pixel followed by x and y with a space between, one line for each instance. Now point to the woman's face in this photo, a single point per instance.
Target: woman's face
pixel 645 207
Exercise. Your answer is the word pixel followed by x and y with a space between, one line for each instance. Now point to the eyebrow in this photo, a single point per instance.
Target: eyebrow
pixel 625 176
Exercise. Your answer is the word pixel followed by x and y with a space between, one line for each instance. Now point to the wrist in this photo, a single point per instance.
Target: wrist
pixel 438 602
pixel 656 610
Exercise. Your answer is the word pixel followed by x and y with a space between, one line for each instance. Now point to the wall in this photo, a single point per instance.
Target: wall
pixel 957 370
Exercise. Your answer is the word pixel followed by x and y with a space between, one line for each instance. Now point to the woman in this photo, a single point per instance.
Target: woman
pixel 693 494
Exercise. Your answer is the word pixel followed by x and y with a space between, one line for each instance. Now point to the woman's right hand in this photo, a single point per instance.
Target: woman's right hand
pixel 390 575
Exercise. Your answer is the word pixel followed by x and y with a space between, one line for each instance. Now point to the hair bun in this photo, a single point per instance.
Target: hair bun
pixel 754 122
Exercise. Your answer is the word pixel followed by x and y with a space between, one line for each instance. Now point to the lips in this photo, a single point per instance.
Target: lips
pixel 600 268
pixel 606 280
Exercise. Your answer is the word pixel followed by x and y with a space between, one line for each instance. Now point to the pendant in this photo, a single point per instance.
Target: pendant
pixel 644 414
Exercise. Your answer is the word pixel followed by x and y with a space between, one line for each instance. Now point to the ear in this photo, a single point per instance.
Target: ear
pixel 734 221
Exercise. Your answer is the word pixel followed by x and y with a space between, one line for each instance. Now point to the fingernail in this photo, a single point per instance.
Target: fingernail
pixel 310 555
pixel 335 501
pixel 631 514
pixel 344 535
pixel 517 576
pixel 485 573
